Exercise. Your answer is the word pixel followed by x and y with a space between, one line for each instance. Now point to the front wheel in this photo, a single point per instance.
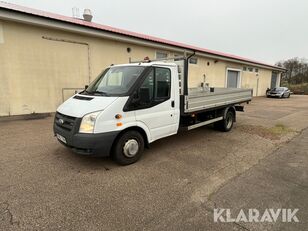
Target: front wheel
pixel 128 148
pixel 226 124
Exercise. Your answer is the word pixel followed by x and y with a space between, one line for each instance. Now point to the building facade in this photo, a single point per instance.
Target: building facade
pixel 45 58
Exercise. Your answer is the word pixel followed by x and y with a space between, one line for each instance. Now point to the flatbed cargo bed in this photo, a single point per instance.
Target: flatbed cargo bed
pixel 200 100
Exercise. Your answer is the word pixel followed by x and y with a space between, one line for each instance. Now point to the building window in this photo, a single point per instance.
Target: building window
pixel 193 60
pixel 256 70
pixel 250 69
pixel 244 68
pixel 177 59
pixel 161 55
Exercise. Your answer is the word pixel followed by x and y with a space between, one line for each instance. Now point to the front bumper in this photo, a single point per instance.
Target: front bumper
pixel 274 95
pixel 87 144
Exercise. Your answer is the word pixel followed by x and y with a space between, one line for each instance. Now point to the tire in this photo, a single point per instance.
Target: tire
pixel 226 124
pixel 289 95
pixel 128 148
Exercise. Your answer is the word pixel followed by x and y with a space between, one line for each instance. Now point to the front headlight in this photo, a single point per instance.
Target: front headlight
pixel 88 123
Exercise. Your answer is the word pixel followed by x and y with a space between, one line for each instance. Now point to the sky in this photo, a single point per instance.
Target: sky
pixel 263 30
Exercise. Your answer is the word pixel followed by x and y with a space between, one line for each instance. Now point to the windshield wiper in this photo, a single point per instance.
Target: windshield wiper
pixel 85 92
pixel 97 92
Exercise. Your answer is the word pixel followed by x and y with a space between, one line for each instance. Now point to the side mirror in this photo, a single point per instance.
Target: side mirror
pixel 86 86
pixel 144 95
pixel 141 96
pixel 135 98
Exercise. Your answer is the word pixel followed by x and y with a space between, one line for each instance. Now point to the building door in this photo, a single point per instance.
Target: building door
pixel 274 80
pixel 257 90
pixel 233 79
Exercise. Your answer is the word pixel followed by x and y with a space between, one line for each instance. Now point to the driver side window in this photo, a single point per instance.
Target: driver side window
pixel 146 91
pixel 155 88
pixel 162 83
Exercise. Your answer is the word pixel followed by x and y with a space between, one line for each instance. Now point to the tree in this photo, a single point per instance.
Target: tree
pixel 297 70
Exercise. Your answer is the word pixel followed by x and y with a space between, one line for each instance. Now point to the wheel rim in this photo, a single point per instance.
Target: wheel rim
pixel 229 122
pixel 131 148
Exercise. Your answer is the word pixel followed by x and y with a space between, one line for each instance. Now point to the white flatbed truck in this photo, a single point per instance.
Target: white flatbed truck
pixel 129 106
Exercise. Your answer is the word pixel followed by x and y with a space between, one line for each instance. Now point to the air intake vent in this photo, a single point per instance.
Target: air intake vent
pixel 82 98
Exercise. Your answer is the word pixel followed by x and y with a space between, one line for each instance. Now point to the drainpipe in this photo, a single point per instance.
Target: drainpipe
pixel 186 64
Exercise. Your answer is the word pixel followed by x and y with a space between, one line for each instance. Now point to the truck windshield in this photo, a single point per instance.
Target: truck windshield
pixel 115 81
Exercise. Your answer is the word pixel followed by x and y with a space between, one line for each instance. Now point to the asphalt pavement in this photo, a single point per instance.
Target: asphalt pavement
pixel 262 163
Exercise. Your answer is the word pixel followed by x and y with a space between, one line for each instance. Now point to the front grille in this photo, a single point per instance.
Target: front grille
pixel 64 121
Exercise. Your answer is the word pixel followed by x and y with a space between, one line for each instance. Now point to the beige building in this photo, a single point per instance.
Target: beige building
pixel 46 57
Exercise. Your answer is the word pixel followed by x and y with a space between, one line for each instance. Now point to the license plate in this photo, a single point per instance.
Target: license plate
pixel 61 138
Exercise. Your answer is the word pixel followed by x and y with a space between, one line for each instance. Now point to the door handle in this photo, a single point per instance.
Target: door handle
pixel 172 103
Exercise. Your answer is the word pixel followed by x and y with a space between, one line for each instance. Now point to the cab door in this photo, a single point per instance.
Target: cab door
pixel 156 106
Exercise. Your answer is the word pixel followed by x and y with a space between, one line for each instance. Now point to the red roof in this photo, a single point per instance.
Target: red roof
pixel 93 25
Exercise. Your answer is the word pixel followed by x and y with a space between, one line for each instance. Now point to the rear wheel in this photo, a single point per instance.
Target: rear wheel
pixel 226 124
pixel 128 148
